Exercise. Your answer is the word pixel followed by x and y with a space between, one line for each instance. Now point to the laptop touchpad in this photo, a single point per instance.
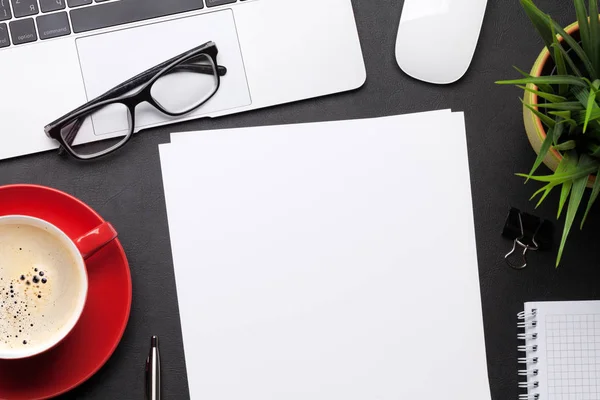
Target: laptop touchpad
pixel 110 58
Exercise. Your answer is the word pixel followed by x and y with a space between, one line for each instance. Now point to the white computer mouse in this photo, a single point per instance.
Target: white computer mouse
pixel 437 38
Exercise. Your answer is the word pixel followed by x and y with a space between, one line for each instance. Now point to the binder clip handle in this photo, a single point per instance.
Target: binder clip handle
pixel 524 248
pixel 529 233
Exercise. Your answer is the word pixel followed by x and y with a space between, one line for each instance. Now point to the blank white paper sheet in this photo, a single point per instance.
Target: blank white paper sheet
pixel 327 261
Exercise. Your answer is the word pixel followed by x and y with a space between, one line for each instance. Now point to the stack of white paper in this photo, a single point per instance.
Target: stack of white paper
pixel 327 261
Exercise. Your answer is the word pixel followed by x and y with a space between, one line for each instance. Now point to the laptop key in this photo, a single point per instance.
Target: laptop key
pixel 23 8
pixel 4 40
pixel 23 31
pixel 77 3
pixel 5 10
pixel 214 3
pixel 53 25
pixel 127 11
pixel 52 5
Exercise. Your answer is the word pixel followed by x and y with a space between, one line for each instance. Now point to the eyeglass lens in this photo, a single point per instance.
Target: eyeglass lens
pixel 186 86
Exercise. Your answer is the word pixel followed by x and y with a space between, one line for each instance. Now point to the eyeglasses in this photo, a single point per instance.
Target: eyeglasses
pixel 175 87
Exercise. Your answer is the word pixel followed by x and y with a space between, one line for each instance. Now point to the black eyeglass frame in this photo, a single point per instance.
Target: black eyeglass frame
pixel 119 95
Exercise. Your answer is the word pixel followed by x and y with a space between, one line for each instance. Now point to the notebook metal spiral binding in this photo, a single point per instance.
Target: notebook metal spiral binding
pixel 528 324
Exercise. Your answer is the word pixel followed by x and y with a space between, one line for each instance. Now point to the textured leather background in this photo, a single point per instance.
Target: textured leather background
pixel 127 190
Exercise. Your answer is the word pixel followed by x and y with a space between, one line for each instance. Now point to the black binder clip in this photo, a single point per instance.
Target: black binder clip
pixel 529 233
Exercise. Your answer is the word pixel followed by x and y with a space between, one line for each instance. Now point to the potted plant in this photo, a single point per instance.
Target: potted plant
pixel 561 114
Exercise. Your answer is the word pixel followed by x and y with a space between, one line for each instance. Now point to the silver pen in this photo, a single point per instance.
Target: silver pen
pixel 153 371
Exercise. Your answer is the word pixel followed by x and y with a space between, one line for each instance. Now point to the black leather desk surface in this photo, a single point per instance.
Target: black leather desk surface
pixel 127 190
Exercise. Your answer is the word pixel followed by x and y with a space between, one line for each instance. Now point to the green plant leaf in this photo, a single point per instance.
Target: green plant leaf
pixel 570 165
pixel 595 33
pixel 586 80
pixel 546 144
pixel 568 145
pixel 590 107
pixel 539 20
pixel 594 150
pixel 544 87
pixel 548 187
pixel 593 197
pixel 561 177
pixel 553 98
pixel 549 80
pixel 559 60
pixel 579 185
pixel 584 27
pixel 565 118
pixel 564 195
pixel 576 48
pixel 580 117
pixel 564 106
pixel 549 122
pixel 574 202
pixel 558 131
pixel 568 58
pixel 581 95
pixel 565 115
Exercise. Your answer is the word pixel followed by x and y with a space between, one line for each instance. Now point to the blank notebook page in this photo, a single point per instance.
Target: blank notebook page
pixel 330 261
pixel 568 349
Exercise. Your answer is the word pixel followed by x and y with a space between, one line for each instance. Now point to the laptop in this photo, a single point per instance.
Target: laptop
pixel 58 54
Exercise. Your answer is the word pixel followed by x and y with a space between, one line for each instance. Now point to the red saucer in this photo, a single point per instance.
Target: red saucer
pixel 106 313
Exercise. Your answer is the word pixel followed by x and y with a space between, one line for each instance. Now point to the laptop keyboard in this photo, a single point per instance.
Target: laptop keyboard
pixel 26 21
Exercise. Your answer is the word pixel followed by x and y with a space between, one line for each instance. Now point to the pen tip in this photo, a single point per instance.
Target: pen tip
pixel 154 341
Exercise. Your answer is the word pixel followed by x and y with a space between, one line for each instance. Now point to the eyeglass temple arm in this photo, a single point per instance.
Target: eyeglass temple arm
pixel 201 68
pixel 147 75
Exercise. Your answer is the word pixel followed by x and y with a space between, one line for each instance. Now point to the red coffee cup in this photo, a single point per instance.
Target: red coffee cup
pixel 44 305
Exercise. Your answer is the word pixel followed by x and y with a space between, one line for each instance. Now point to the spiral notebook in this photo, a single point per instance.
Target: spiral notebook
pixel 560 354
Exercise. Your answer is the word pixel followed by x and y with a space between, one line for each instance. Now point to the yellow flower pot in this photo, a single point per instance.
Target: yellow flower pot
pixel 536 132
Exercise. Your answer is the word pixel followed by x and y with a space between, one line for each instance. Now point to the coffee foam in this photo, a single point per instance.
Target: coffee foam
pixel 39 286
